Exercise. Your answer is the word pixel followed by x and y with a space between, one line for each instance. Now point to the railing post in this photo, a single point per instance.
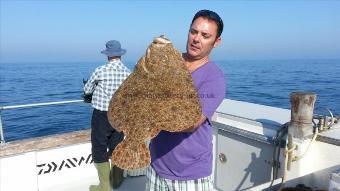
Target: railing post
pixel 2 139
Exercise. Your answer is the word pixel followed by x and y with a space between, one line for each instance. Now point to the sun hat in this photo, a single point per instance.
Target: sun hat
pixel 113 48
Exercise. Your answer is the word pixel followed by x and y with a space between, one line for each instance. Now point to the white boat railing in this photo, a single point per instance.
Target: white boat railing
pixel 2 137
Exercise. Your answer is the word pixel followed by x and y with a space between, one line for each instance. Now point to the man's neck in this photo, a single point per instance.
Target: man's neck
pixel 192 64
pixel 111 59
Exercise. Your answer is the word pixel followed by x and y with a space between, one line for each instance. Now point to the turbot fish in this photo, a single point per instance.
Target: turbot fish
pixel 158 95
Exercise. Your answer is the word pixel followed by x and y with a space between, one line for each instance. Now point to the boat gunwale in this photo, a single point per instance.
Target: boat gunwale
pixel 44 142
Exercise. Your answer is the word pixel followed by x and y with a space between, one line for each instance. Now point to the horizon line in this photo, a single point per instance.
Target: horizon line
pixel 129 61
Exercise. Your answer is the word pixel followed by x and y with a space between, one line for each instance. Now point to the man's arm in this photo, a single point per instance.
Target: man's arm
pixel 91 83
pixel 213 92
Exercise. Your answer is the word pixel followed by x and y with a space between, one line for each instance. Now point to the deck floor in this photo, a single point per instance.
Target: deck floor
pixel 136 183
pixel 133 183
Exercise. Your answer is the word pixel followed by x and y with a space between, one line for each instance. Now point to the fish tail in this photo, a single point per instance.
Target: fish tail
pixel 131 156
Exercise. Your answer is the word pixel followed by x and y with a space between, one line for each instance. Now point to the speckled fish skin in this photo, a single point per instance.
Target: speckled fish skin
pixel 158 95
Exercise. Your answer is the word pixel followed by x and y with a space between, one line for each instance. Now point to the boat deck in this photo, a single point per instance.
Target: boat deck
pixel 64 161
pixel 129 184
pixel 133 183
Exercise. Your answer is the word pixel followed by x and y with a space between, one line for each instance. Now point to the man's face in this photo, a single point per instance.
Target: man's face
pixel 202 38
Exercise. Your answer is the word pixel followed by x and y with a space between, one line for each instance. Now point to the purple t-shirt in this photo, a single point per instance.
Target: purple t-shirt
pixel 188 156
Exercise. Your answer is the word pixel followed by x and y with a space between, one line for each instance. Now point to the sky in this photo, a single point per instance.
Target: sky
pixel 76 31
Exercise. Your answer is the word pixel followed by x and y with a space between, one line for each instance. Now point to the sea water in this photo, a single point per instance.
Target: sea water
pixel 267 82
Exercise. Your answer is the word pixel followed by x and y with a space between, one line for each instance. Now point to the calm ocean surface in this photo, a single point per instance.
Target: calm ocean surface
pixel 265 82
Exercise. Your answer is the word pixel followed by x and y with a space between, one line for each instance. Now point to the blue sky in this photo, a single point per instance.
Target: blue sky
pixel 72 31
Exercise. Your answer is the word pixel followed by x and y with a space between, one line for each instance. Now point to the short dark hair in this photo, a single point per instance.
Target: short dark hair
pixel 210 15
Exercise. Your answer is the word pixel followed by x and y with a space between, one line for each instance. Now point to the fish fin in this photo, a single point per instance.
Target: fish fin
pixel 154 132
pixel 143 65
pixel 131 156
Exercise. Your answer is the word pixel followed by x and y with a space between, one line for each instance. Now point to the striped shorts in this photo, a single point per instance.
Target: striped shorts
pixel 157 183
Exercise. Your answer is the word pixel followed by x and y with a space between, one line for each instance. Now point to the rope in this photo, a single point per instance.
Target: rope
pixel 284 177
pixel 295 158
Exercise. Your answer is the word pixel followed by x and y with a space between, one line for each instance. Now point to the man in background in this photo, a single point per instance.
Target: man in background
pixel 103 83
